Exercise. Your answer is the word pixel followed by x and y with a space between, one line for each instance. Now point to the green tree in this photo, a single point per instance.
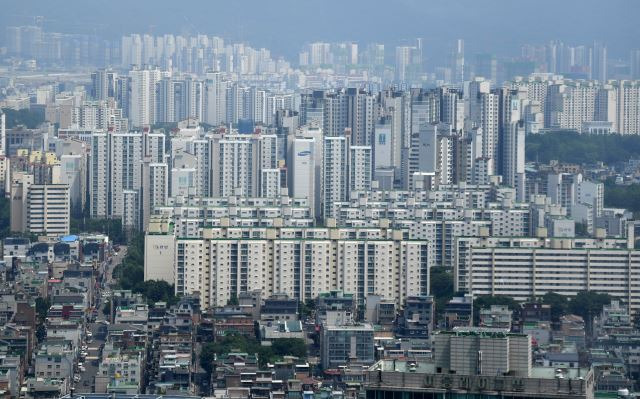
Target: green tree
pixel 306 308
pixel 589 304
pixel 236 342
pixel 622 196
pixel 42 308
pixel 559 304
pixel 130 275
pixel 441 287
pixel 41 332
pixel 106 310
pixel 581 230
pixel 157 291
pixel 568 146
pixel 207 356
pixel 289 347
pixel 233 301
pixel 110 227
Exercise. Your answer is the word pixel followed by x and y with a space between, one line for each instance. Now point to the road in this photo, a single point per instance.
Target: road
pixel 98 329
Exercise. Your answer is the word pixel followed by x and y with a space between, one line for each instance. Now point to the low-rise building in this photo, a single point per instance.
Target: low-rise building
pixel 476 362
pixel 417 320
pixel 55 361
pixel 281 329
pixel 347 344
pixel 279 307
pixel 458 312
pixel 497 316
pixel 118 372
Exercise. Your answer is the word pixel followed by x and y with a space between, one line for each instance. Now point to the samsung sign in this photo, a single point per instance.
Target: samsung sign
pixel 304 153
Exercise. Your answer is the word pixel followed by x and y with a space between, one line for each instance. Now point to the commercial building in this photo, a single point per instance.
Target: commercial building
pixel 347 344
pixel 477 364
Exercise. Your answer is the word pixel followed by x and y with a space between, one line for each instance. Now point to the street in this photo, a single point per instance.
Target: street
pixel 98 330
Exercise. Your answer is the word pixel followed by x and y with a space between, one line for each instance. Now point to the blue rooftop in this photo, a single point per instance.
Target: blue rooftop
pixel 69 238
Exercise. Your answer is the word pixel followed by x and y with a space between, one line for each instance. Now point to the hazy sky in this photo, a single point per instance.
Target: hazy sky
pixel 498 26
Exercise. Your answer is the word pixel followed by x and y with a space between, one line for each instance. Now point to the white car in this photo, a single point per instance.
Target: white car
pixel 82 369
pixel 89 334
pixel 76 378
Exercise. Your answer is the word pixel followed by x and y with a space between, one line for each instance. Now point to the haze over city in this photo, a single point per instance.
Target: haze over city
pixel 319 200
pixel 499 26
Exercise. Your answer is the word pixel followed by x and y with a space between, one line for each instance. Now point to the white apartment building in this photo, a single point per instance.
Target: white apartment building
pixel 483 113
pixel 270 183
pixel 99 176
pixel 627 120
pixel 442 215
pixel 524 268
pixel 191 215
pixel 215 99
pixel 142 106
pixel 568 104
pixel 155 188
pixel 335 173
pixel 236 161
pixel 48 209
pixel 125 158
pixel 301 262
pixel 571 103
pixel 514 159
pixel 99 115
pixel 154 146
pixel 360 171
pixel 3 134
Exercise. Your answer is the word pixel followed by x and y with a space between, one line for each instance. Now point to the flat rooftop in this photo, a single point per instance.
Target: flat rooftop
pixel 403 366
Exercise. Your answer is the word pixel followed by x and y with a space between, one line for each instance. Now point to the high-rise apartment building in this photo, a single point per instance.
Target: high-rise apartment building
pixel 103 84
pixel 3 134
pixel 513 159
pixel 335 173
pixel 125 162
pixel 215 99
pixel 301 262
pixel 360 172
pixel 142 102
pixel 598 62
pixel 48 209
pixel 237 161
pixel 598 265
pixel 99 176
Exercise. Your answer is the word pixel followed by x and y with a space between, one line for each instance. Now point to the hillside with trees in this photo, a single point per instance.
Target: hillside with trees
pixel 572 147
